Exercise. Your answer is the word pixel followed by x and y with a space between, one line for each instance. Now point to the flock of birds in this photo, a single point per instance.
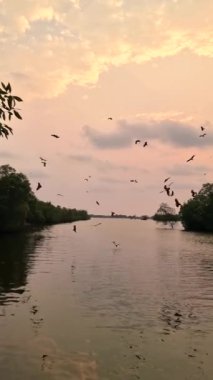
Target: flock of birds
pixel 166 188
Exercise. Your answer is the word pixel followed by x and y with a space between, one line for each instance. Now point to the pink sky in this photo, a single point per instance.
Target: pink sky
pixel 146 64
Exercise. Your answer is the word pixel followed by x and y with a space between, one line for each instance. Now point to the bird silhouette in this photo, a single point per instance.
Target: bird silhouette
pixel 134 180
pixel 145 144
pixel 191 158
pixel 115 244
pixel 193 193
pixel 137 141
pixel 167 189
pixel 177 203
pixel 44 163
pixel 202 128
pixel 43 159
pixel 112 214
pixel 167 179
pixel 86 179
pixel 96 225
pixel 97 203
pixel 60 195
pixel 109 118
pixel 38 186
pixel 56 136
pixel 203 135
pixel 74 228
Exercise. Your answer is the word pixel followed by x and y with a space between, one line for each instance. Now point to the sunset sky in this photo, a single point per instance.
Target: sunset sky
pixel 148 64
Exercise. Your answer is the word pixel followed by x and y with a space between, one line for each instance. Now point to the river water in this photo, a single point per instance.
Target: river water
pixel 73 306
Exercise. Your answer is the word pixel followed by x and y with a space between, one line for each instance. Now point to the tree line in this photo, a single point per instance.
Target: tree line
pixel 19 206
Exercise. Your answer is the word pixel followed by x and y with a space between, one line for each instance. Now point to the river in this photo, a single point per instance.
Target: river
pixel 73 306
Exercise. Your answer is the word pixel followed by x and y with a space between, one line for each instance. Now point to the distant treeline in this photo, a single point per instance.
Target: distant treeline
pixel 19 207
pixel 121 216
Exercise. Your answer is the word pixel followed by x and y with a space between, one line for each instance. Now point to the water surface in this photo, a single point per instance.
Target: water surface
pixel 72 306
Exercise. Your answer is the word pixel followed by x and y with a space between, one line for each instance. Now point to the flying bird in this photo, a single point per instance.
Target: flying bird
pixel 38 186
pixel 137 141
pixel 167 189
pixel 109 118
pixel 56 136
pixel 203 135
pixel 43 159
pixel 193 193
pixel 97 203
pixel 145 144
pixel 191 158
pixel 60 195
pixel 134 180
pixel 115 244
pixel 177 203
pixel 44 163
pixel 74 228
pixel 202 128
pixel 86 179
pixel 95 225
pixel 167 179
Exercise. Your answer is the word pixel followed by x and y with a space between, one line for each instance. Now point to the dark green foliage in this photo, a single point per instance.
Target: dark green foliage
pixel 7 109
pixel 19 206
pixel 166 215
pixel 197 213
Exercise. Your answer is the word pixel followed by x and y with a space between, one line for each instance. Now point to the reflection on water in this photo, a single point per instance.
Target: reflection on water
pixel 72 306
pixel 16 252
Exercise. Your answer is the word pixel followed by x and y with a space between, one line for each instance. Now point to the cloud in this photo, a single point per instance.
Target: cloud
pixel 5 155
pixel 57 43
pixel 98 163
pixel 186 170
pixel 34 173
pixel 175 133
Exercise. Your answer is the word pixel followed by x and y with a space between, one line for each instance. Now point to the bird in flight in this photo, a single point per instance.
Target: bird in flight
pixel 203 135
pixel 109 118
pixel 56 136
pixel 177 203
pixel 38 186
pixel 191 158
pixel 134 180
pixel 115 244
pixel 137 141
pixel 97 203
pixel 95 225
pixel 60 195
pixel 145 144
pixel 74 228
pixel 167 179
pixel 202 128
pixel 193 193
pixel 167 189
pixel 86 179
pixel 43 161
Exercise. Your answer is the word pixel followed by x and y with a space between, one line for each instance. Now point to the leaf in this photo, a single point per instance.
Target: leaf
pixel 17 114
pixel 8 88
pixel 17 98
pixel 10 101
pixel 4 86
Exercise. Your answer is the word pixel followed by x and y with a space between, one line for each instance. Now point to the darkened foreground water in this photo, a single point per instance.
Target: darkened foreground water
pixel 74 307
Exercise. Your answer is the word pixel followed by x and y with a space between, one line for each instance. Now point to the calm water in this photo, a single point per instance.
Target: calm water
pixel 72 306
